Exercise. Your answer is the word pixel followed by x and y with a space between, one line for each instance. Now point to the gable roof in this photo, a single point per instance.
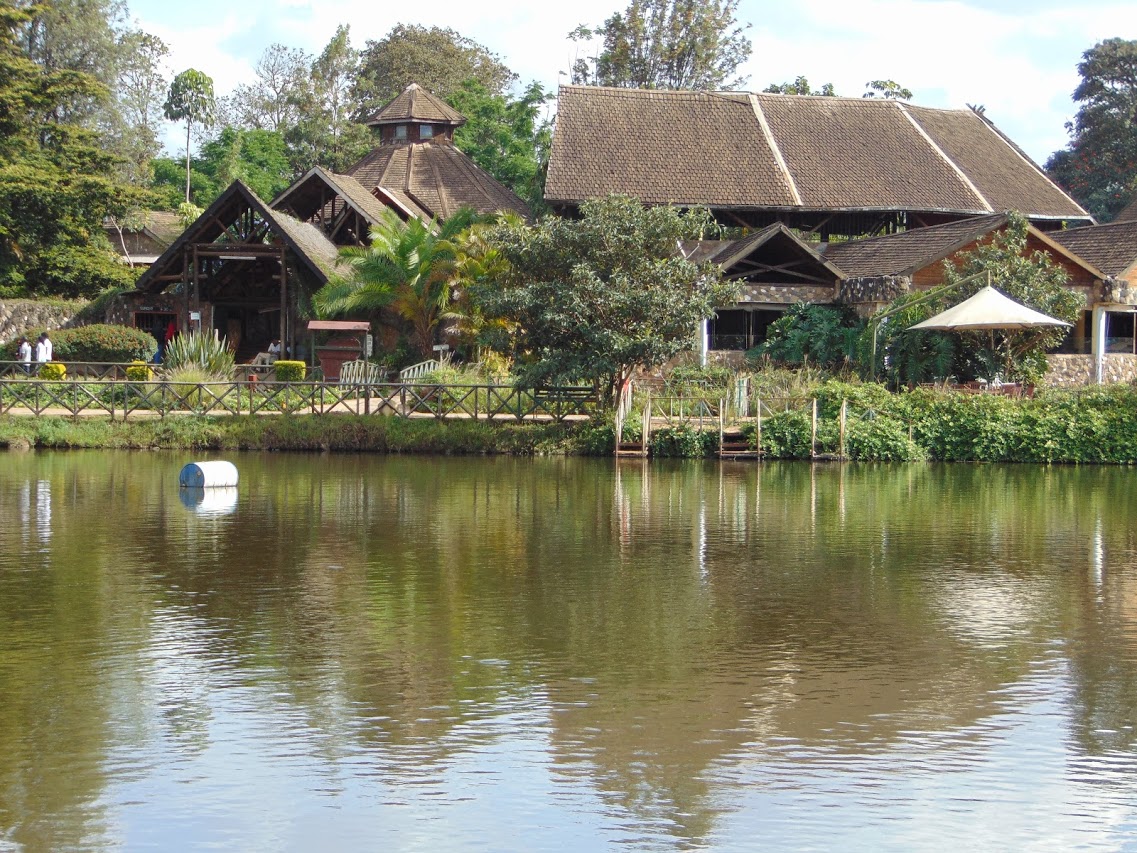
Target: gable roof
pixel 908 251
pixel 435 178
pixel 1111 247
pixel 305 197
pixel 790 152
pixel 310 246
pixel 1128 213
pixel 416 104
pixel 737 251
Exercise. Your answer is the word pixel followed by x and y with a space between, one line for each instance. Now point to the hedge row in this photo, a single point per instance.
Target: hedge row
pixel 98 343
pixel 1094 426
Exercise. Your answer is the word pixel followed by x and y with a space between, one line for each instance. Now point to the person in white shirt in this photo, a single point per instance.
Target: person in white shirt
pixel 24 354
pixel 43 349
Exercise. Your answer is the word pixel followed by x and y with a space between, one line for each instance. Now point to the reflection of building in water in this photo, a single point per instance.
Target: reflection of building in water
pixel 43 510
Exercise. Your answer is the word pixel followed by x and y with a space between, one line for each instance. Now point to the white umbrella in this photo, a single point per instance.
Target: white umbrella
pixel 988 309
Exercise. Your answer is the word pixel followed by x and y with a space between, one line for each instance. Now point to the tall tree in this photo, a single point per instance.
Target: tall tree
pixel 666 44
pixel 141 88
pixel 323 133
pixel 190 99
pixel 56 184
pixel 440 60
pixel 506 136
pixel 1099 166
pixel 272 101
pixel 595 297
pixel 800 86
pixel 409 268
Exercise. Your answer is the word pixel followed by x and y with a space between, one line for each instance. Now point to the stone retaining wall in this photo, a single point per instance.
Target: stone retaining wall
pixel 18 316
pixel 1073 371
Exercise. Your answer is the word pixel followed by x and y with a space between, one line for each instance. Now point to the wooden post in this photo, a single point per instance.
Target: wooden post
pixel 758 431
pixel 813 432
pixel 844 406
pixel 722 406
pixel 284 342
pixel 646 430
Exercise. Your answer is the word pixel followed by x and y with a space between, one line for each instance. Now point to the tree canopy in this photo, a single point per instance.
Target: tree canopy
pixel 800 86
pixel 57 184
pixel 190 99
pixel 591 298
pixel 1099 166
pixel 438 59
pixel 666 44
pixel 409 269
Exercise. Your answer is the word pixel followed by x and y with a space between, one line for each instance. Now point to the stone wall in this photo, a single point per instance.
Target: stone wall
pixel 1074 371
pixel 19 316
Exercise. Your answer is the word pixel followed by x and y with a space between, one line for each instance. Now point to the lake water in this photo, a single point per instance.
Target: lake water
pixel 369 653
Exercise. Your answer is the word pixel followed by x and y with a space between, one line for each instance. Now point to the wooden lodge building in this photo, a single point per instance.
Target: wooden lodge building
pixel 245 265
pixel 879 195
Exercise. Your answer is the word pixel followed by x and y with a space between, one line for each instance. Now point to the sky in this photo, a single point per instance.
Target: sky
pixel 1016 58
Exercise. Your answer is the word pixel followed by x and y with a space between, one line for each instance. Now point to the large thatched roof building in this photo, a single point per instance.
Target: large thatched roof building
pixel 831 165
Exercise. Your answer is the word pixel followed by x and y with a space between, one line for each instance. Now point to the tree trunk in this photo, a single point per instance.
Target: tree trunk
pixel 187 159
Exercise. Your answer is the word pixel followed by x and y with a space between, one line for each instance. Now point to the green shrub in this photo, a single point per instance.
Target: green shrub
pixel 99 343
pixel 684 442
pixel 208 388
pixel 53 371
pixel 290 371
pixel 139 371
pixel 786 435
pixel 880 440
pixel 204 351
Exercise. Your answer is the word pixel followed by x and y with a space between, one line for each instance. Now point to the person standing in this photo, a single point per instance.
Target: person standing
pixel 24 354
pixel 43 349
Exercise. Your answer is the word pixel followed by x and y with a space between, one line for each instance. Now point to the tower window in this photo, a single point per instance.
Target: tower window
pixel 400 132
pixel 425 131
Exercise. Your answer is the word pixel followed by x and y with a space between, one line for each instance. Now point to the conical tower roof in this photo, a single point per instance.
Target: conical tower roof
pixel 415 104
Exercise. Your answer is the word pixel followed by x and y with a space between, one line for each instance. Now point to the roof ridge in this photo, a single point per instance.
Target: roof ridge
pixel 791 184
pixel 959 173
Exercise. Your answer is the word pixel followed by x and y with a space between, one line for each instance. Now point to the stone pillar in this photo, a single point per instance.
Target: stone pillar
pixel 1099 341
pixel 704 342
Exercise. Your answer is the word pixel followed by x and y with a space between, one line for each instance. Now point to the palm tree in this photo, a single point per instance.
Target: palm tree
pixel 409 268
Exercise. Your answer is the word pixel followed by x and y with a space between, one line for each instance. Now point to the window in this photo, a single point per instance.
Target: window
pixel 425 131
pixel 400 132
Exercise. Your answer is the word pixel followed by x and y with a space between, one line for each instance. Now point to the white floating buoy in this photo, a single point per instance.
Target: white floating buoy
pixel 208 475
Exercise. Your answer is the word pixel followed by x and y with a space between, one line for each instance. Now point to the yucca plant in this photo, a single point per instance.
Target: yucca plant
pixel 205 351
pixel 197 386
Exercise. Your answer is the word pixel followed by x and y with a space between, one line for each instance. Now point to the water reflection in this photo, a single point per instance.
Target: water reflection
pixel 650 655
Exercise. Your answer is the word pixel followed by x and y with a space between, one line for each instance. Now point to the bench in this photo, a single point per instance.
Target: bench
pixel 361 372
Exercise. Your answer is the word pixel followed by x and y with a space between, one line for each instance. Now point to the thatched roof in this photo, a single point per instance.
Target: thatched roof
pixel 416 104
pixel 1112 248
pixel 786 152
pixel 907 252
pixel 434 179
pixel 312 249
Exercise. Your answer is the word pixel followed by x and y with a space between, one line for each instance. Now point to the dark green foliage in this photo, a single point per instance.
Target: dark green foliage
pixel 786 435
pixel 823 335
pixel 1099 167
pixel 880 440
pixel 98 343
pixel 440 60
pixel 56 182
pixel 684 442
pixel 589 299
